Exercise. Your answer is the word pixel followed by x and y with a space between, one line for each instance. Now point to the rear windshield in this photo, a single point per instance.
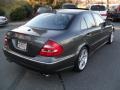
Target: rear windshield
pixel 43 10
pixel 98 8
pixel 50 21
pixel 69 7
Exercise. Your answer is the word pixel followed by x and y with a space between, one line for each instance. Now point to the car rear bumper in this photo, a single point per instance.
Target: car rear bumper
pixel 43 67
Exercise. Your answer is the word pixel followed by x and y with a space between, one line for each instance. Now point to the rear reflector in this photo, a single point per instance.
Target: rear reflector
pixel 51 49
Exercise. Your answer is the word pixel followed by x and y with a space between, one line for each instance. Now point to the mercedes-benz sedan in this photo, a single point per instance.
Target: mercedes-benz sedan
pixel 52 42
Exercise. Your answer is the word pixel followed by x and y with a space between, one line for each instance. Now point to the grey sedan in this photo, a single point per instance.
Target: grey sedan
pixel 52 42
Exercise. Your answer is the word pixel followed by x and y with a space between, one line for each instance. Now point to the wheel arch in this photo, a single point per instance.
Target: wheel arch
pixel 81 46
pixel 88 48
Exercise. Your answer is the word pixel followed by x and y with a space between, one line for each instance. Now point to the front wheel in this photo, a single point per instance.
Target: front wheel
pixel 111 38
pixel 81 60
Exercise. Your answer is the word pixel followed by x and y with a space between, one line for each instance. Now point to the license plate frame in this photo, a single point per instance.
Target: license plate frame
pixel 22 45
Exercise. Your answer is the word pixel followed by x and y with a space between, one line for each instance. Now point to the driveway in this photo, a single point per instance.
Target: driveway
pixel 101 73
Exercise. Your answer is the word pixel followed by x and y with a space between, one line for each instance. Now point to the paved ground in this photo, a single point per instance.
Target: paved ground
pixel 102 72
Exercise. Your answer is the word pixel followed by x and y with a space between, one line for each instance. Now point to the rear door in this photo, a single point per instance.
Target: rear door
pixel 104 28
pixel 93 34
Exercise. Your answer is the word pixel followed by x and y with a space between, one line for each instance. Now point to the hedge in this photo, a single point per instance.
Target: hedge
pixel 21 13
pixel 2 12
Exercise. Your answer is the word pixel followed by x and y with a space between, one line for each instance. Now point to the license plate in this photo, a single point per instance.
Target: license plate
pixel 22 45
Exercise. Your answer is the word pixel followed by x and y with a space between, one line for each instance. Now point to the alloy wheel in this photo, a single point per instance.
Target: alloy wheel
pixel 83 57
pixel 111 37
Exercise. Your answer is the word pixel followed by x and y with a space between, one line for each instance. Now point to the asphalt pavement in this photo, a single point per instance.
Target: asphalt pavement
pixel 101 73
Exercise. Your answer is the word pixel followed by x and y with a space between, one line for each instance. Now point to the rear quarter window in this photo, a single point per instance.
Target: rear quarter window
pixel 98 8
pixel 98 19
pixel 83 24
pixel 89 20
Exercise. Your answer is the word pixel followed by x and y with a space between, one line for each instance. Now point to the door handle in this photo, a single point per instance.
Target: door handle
pixel 89 34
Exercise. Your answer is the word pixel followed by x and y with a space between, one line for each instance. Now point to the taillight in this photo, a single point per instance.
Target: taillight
pixel 6 38
pixel 5 41
pixel 51 49
pixel 103 14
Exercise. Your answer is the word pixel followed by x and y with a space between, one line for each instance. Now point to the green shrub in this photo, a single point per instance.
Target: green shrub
pixel 2 12
pixel 28 9
pixel 58 5
pixel 18 14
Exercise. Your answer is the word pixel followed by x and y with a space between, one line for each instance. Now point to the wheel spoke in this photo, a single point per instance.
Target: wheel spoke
pixel 112 37
pixel 83 59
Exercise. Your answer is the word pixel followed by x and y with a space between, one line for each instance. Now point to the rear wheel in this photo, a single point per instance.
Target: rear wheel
pixel 81 60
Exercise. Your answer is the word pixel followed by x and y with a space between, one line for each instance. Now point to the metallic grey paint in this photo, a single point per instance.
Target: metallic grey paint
pixel 72 39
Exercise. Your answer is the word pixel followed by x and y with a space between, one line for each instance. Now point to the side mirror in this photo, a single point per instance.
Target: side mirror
pixel 102 25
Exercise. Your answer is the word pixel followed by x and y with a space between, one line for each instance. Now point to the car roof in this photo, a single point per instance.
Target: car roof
pixel 71 11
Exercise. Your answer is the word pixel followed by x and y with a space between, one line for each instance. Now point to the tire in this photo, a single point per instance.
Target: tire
pixel 81 61
pixel 111 38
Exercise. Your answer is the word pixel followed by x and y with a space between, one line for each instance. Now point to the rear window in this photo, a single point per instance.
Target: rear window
pixel 43 10
pixel 50 21
pixel 69 7
pixel 98 8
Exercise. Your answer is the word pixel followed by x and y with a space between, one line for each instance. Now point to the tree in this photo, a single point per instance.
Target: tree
pixel 6 1
pixel 50 2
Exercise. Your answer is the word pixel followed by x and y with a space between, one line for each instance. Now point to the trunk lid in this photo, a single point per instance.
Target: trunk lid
pixel 27 41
